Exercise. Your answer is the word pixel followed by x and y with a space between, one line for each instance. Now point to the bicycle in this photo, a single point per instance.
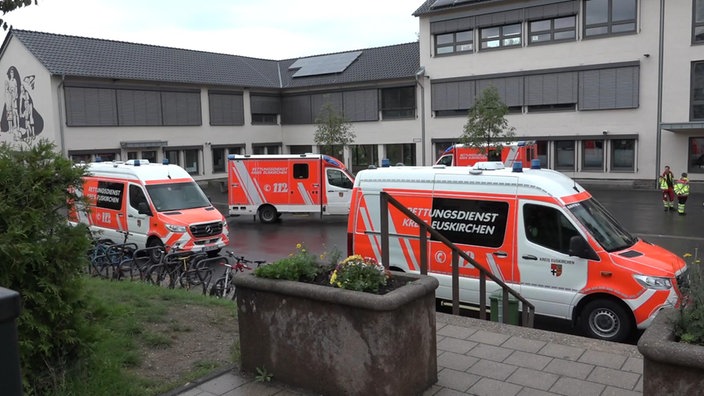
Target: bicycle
pixel 110 260
pixel 179 267
pixel 224 287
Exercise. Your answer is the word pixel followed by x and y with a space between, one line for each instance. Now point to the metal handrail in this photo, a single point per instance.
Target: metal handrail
pixel 528 312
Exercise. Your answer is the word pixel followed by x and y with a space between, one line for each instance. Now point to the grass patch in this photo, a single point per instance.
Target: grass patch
pixel 121 313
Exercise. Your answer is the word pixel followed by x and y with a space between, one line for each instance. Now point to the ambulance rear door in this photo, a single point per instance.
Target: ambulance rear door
pixel 550 278
pixel 305 184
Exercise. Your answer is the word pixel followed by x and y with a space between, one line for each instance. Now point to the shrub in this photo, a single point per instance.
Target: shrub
pixel 42 258
pixel 300 265
pixel 689 327
pixel 360 274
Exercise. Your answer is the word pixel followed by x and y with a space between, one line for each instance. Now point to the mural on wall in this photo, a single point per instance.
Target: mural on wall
pixel 19 117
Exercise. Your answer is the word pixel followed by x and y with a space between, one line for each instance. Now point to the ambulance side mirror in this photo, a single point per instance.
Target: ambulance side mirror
pixel 143 208
pixel 580 248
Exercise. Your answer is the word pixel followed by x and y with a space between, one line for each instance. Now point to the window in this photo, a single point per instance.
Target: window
pixel 226 108
pixel 564 155
pixel 266 149
pixel 191 163
pixel 609 17
pixel 149 155
pixel 697 92
pixel 338 178
pixel 552 30
pixel 172 156
pixel 264 119
pixel 593 155
pixel 300 171
pixel 401 154
pixel 363 156
pixel 449 43
pixel 218 159
pixel 137 197
pixel 548 227
pixel 696 155
pixel 698 22
pixel 300 149
pixel 623 155
pixel 542 153
pixel 501 36
pixel 398 102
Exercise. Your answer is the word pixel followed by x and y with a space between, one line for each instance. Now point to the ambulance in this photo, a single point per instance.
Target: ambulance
pixel 153 204
pixel 535 229
pixel 269 185
pixel 464 155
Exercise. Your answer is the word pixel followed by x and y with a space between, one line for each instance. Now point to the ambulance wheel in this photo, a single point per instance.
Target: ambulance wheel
pixel 606 320
pixel 155 254
pixel 268 214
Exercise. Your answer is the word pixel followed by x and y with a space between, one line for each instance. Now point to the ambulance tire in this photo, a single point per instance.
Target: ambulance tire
pixel 268 214
pixel 606 320
pixel 154 254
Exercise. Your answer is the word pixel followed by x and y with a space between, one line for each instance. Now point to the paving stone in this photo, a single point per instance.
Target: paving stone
pixel 523 344
pixel 456 361
pixel 223 383
pixel 634 365
pixel 447 392
pixel 491 369
pixel 569 368
pixel 491 387
pixel 433 390
pixel 533 378
pixel 562 351
pixel 254 388
pixel 605 359
pixel 613 391
pixel 490 352
pixel 535 392
pixel 455 345
pixel 455 332
pixel 575 387
pixel 457 380
pixel 607 376
pixel 529 360
pixel 491 338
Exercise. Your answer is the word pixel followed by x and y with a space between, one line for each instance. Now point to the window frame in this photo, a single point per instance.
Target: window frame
pixel 501 38
pixel 609 24
pixel 696 24
pixel 552 31
pixel 400 106
pixel 693 93
pixel 614 164
pixel 454 44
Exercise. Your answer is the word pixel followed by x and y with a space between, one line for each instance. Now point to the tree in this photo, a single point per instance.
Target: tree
pixel 42 258
pixel 11 5
pixel 333 131
pixel 486 126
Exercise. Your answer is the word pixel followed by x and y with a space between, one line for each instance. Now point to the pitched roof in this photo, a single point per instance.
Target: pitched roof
pixel 74 56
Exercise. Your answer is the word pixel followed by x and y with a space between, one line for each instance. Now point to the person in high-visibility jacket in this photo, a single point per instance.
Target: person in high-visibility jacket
pixel 682 192
pixel 667 185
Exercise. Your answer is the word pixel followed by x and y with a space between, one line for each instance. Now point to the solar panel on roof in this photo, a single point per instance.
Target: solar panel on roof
pixel 445 3
pixel 324 64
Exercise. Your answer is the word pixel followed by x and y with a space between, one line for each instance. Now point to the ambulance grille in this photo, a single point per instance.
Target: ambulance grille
pixel 206 230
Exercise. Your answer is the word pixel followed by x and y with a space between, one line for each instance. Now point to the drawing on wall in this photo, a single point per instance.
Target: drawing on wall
pixel 19 117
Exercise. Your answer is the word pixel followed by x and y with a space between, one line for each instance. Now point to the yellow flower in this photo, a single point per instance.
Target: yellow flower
pixel 298 246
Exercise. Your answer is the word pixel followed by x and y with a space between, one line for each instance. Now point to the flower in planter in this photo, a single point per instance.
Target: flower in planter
pixel 360 274
pixel 300 265
pixel 689 327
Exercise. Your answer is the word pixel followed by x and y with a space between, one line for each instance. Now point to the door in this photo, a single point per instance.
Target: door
pixel 549 276
pixel 305 184
pixel 338 191
pixel 139 215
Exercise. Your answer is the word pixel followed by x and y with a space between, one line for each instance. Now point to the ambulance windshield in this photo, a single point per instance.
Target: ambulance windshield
pixel 177 196
pixel 602 225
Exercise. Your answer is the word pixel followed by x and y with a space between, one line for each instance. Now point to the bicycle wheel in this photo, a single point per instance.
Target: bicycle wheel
pixel 221 289
pixel 158 275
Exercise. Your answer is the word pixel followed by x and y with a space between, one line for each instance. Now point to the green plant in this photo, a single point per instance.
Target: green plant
pixel 263 375
pixel 42 258
pixel 300 265
pixel 360 274
pixel 689 327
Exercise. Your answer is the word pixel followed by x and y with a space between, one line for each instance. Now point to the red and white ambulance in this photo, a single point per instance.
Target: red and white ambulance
pixel 536 229
pixel 155 204
pixel 269 185
pixel 464 155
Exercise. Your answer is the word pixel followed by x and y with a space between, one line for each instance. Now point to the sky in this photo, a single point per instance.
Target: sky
pixel 268 29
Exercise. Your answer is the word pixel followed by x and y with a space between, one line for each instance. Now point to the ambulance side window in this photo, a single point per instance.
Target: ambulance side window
pixel 138 200
pixel 300 171
pixel 338 179
pixel 548 227
pixel 445 160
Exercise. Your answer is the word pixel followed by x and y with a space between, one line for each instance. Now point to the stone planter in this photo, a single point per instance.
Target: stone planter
pixel 670 367
pixel 339 342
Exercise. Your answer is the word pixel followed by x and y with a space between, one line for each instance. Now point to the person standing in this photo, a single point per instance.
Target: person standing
pixel 682 191
pixel 667 185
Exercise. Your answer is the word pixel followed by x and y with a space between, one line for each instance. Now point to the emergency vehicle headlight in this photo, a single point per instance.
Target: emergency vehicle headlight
pixel 175 228
pixel 653 282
